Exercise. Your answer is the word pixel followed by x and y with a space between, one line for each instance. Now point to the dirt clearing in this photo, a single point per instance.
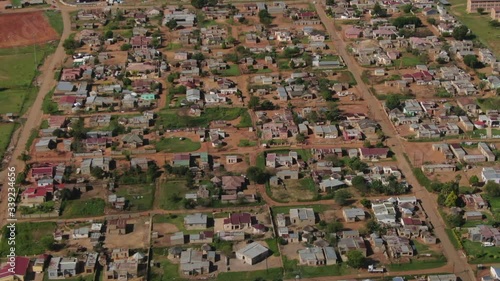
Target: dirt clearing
pixel 22 29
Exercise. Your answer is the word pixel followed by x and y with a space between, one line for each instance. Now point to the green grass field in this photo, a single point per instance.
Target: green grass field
pixel 272 244
pixel 292 269
pixel 167 271
pixel 476 253
pixel 233 70
pixel 26 234
pixel 407 60
pixel 171 195
pixel 55 20
pixel 175 144
pixel 83 208
pixel 489 103
pixel 479 24
pixel 6 130
pixel 140 197
pixel 245 121
pixel 416 264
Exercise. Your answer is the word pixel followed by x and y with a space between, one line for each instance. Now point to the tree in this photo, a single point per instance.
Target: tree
pixel 359 183
pixel 171 24
pixel 198 56
pixel 300 138
pixel 253 102
pixel 25 157
pixel 265 17
pixel 125 47
pixel 451 200
pixel 441 60
pixel 480 11
pixel 330 2
pixel 378 10
pixel 334 227
pixel 471 61
pixel 342 197
pixel 474 180
pixel 455 220
pixel 393 101
pixel 460 32
pixel 432 21
pixel 400 22
pixel 198 4
pixel 492 188
pixel 494 23
pixel 97 172
pixel 256 174
pixel 407 8
pixel 366 203
pixel 70 45
pixel 108 34
pixel 355 259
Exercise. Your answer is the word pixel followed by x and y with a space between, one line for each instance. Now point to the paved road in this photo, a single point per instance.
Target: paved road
pixel 34 114
pixel 429 203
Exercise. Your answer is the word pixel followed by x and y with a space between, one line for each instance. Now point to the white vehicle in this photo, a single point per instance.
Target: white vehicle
pixel 488 244
pixel 373 269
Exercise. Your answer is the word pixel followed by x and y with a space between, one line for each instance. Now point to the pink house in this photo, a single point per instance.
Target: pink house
pixel 71 74
pixel 352 32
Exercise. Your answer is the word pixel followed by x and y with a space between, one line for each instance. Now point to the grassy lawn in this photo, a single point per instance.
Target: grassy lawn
pixel 139 197
pixel 264 70
pixel 26 234
pixel 453 238
pixel 407 60
pixel 246 143
pixel 272 244
pixel 245 121
pixel 416 264
pixel 347 77
pixel 175 144
pixel 233 70
pixel 83 208
pixel 476 253
pixel 292 269
pixel 261 160
pixel 55 20
pixel 478 24
pixel 6 131
pixel 171 119
pixel 178 221
pixel 172 194
pixel 284 64
pixel 489 103
pixel 476 134
pixel 173 46
pixel 167 271
pixel 270 274
pixel 16 3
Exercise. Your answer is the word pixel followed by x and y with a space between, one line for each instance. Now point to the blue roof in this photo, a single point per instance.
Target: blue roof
pixel 444 2
pixel 64 86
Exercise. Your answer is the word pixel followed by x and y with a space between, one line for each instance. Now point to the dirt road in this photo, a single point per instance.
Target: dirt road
pixel 429 203
pixel 34 114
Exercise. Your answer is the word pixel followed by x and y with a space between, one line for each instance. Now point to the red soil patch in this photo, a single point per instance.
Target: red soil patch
pixel 22 29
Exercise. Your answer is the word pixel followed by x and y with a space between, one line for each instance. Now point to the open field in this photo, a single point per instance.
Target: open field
pixel 292 269
pixel 139 197
pixel 22 29
pixel 175 144
pixel 174 119
pixel 26 234
pixel 83 208
pixel 55 19
pixel 295 190
pixel 479 24
pixel 171 195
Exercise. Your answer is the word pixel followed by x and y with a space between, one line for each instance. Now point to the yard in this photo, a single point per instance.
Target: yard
pixel 270 274
pixel 139 197
pixel 175 119
pixel 83 208
pixel 233 70
pixel 292 269
pixel 26 234
pixel 476 253
pixel 295 190
pixel 418 264
pixel 167 271
pixel 489 103
pixel 171 195
pixel 178 221
pixel 175 144
pixel 6 130
pixel 245 121
pixel 478 24
pixel 407 60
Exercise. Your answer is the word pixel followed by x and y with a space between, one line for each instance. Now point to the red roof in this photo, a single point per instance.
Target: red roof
pixel 68 99
pixel 42 171
pixel 239 218
pixel 20 269
pixel 410 221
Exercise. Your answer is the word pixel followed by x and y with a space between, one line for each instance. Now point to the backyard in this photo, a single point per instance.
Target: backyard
pixel 233 70
pixel 139 197
pixel 175 119
pixel 26 234
pixel 292 270
pixel 175 144
pixel 295 190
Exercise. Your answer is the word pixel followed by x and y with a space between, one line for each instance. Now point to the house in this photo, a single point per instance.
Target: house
pixel 302 217
pixel 353 214
pixel 484 233
pixel 193 95
pixel 473 216
pixel 490 174
pixel 45 144
pixel 16 270
pixel 330 184
pixel 238 221
pixel 177 238
pixel 62 268
pixel 196 221
pixel 467 104
pixel 182 160
pixel 38 265
pixel 117 226
pixel 193 263
pixel 287 175
pixel 82 232
pixel 132 141
pixel 318 256
pixel 398 246
pixel 252 253
pixel 91 262
pixel 231 159
pixel 326 131
pixel 233 184
pixel 384 212
pixel 346 245
pixel 475 201
pixel 486 151
pixel 442 277
pixel 494 272
pixel 373 153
